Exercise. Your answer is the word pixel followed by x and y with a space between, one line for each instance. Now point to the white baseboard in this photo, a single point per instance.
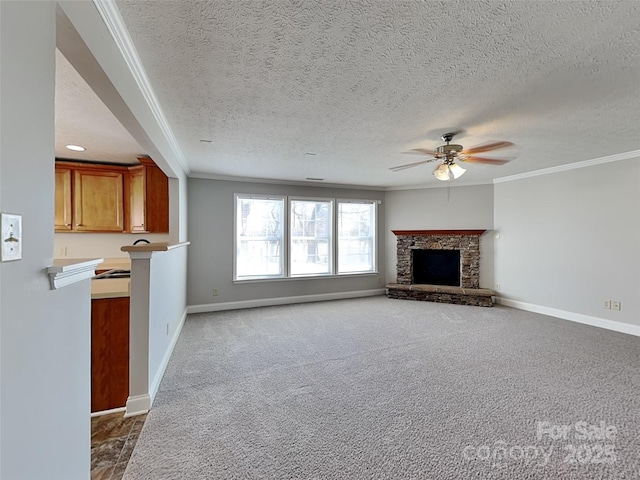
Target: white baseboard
pixel 107 412
pixel 572 316
pixel 138 405
pixel 155 384
pixel 268 302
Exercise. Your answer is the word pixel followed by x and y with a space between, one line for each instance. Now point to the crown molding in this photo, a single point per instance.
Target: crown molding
pixel 113 20
pixel 427 186
pixel 273 181
pixel 571 166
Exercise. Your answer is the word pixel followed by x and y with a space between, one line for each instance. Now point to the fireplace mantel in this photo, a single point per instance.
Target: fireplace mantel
pixel 399 233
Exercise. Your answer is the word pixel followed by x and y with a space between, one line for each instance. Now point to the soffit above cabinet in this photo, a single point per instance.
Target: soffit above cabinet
pixel 82 119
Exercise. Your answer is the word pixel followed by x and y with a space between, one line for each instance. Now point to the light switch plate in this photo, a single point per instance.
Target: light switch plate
pixel 11 237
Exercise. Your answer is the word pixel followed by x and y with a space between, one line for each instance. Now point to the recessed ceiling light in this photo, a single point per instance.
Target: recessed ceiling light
pixel 76 148
pixel 313 179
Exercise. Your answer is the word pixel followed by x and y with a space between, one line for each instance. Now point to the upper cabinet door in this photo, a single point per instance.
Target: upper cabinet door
pixel 63 219
pixel 157 198
pixel 137 199
pixel 98 201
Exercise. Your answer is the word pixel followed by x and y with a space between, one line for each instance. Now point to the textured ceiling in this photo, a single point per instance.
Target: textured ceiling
pixel 357 83
pixel 82 119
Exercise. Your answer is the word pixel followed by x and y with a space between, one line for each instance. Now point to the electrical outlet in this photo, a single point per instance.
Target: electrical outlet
pixel 607 304
pixel 497 286
pixel 616 306
pixel 215 292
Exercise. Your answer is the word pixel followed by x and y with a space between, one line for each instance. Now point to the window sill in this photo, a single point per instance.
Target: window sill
pixel 306 277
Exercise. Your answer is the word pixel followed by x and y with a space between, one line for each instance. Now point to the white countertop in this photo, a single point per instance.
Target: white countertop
pixel 123 263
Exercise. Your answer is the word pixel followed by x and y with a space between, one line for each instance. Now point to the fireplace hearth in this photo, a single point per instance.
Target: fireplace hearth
pixel 436 276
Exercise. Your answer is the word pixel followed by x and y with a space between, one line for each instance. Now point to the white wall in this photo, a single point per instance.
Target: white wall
pixel 211 251
pixel 106 245
pixel 44 334
pixel 570 240
pixel 167 309
pixel 467 207
pixel 92 37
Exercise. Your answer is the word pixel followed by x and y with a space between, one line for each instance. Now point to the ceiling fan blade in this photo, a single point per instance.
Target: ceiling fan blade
pixel 490 161
pixel 421 151
pixel 487 147
pixel 410 165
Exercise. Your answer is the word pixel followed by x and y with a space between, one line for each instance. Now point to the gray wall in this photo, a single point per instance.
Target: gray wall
pixel 44 334
pixel 469 207
pixel 570 240
pixel 211 250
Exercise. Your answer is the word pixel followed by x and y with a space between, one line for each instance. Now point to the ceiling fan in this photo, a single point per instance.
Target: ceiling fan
pixel 448 169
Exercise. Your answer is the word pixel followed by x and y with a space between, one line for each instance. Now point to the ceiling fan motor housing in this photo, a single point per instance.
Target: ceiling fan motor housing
pixel 448 150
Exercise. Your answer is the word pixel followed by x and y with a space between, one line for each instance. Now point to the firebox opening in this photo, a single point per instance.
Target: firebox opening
pixel 436 267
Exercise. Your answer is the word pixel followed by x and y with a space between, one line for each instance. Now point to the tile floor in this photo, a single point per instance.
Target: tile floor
pixel 112 440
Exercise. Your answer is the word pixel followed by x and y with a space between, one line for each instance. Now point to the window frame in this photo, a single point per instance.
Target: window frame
pixel 286 239
pixel 236 243
pixel 332 240
pixel 374 266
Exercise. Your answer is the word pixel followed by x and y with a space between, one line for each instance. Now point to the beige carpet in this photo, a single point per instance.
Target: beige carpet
pixel 376 388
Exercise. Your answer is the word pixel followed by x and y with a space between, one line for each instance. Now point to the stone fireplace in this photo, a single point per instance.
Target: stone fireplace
pixel 413 244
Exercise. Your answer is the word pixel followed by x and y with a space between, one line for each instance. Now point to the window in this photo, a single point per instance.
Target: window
pixel 310 239
pixel 259 237
pixel 356 237
pixel 324 236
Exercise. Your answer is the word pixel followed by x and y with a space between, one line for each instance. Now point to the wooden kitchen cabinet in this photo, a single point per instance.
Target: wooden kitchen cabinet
pixel 89 197
pixel 63 215
pixel 149 198
pixel 109 353
pixel 98 202
pixel 93 197
pixel 137 199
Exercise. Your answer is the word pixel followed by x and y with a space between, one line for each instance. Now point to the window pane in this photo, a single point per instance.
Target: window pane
pixel 310 237
pixel 356 237
pixel 259 242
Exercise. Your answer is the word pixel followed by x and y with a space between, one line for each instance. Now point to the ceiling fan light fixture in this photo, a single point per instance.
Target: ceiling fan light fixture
pixel 456 170
pixel 450 152
pixel 446 171
pixel 442 172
